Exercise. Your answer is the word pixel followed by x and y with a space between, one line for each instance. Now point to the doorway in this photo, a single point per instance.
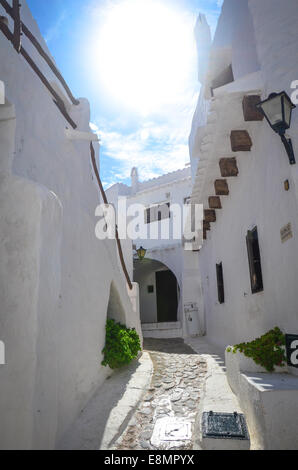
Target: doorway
pixel 166 296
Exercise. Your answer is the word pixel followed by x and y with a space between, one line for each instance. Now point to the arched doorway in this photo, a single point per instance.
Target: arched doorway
pixel 159 292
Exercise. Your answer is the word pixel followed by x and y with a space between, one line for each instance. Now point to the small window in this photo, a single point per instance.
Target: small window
pixel 254 258
pixel 157 213
pixel 147 216
pixel 220 283
pixel 150 289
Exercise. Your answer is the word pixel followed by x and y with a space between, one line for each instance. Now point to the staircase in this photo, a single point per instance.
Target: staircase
pixel 162 330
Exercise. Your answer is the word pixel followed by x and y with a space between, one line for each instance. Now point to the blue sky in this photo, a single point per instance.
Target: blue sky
pixel 149 128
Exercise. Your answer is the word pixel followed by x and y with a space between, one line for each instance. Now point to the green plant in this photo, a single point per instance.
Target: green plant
pixel 267 351
pixel 122 345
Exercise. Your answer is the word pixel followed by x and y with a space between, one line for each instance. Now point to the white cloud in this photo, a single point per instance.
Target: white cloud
pixel 158 143
pixel 54 31
pixel 156 147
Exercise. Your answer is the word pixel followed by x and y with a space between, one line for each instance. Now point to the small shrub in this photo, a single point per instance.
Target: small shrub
pixel 267 351
pixel 122 345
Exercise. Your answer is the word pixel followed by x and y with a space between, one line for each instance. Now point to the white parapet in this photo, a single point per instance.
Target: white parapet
pixel 269 401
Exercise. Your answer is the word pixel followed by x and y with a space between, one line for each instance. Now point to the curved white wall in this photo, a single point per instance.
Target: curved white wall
pixel 56 276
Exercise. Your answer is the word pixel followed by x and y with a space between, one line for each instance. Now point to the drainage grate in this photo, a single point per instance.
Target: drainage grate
pixel 224 426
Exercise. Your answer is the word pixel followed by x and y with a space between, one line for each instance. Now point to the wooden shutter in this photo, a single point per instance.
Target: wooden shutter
pixel 220 283
pixel 157 213
pixel 147 216
pixel 254 259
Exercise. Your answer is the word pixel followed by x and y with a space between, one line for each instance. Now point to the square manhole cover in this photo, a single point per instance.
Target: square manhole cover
pixel 171 429
pixel 224 426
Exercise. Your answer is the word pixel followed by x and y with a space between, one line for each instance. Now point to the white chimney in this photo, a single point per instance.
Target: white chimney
pixel 204 41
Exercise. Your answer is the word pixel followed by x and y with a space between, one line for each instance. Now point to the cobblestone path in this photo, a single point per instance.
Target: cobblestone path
pixel 165 417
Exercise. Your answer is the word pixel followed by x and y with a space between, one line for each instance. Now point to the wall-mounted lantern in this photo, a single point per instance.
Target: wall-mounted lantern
pixel 141 253
pixel 277 109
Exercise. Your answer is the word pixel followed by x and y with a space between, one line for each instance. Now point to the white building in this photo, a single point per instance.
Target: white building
pixel 58 283
pixel 241 65
pixel 168 277
pixel 241 173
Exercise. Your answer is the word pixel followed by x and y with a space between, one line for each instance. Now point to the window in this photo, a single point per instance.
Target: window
pixel 254 258
pixel 158 212
pixel 220 283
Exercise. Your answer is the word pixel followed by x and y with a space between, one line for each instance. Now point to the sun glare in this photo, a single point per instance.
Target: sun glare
pixel 146 53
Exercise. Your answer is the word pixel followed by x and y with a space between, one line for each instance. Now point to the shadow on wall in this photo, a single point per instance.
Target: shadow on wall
pixel 94 428
pixel 115 308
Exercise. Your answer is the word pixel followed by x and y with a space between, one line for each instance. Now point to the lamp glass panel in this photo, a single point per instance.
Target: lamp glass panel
pixel 141 253
pixel 288 110
pixel 273 110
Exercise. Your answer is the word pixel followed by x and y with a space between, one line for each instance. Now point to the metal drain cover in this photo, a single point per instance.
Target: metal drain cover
pixel 224 426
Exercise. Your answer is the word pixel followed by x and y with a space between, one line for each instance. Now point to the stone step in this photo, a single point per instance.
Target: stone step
pixel 162 330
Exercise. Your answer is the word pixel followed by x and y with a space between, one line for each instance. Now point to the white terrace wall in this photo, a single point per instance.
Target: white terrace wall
pixel 55 276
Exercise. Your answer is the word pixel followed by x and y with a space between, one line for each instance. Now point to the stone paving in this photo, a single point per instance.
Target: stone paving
pixel 165 417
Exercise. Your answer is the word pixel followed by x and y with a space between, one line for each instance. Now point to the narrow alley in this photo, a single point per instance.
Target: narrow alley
pixel 149 227
pixel 151 404
pixel 170 406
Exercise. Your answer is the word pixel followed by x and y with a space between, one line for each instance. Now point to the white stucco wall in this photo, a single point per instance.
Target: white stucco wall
pixel 257 196
pixel 56 276
pixel 235 32
pixel 147 300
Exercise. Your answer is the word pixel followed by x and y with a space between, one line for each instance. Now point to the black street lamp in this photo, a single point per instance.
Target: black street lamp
pixel 141 253
pixel 277 109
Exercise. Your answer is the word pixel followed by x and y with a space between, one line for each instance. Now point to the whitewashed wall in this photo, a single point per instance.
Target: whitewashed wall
pixel 55 275
pixel 178 189
pixel 257 195
pixel 148 300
